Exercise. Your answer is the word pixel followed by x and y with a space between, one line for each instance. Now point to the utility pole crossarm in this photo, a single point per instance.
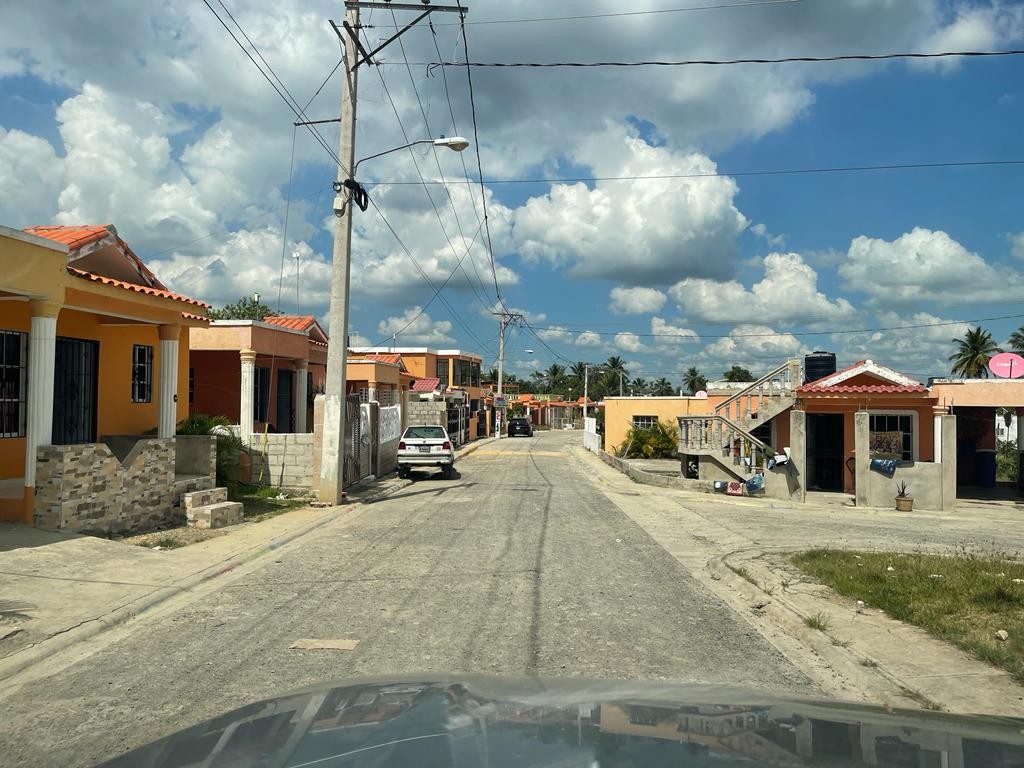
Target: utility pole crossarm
pixel 425 10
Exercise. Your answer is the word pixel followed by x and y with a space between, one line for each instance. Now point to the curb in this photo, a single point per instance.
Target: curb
pixel 89 628
pixel 475 445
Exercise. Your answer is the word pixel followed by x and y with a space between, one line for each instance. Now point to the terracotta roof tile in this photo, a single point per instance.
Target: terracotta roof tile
pixel 135 288
pixel 426 385
pixel 294 322
pixel 865 389
pixel 73 237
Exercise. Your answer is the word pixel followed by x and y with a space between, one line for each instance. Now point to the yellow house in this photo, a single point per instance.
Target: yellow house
pixel 623 413
pixel 93 350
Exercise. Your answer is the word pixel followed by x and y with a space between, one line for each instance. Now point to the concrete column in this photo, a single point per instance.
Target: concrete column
pixel 948 462
pixel 301 395
pixel 862 455
pixel 42 350
pixel 167 390
pixel 798 453
pixel 1020 448
pixel 247 399
pixel 371 391
pixel 938 412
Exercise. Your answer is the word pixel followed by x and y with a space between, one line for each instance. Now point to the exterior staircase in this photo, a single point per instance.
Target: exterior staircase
pixel 727 436
pixel 211 509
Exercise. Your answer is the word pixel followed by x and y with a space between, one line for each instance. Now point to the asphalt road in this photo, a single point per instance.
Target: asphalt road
pixel 518 566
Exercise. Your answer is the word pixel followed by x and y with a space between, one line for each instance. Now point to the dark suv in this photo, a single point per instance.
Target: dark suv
pixel 520 427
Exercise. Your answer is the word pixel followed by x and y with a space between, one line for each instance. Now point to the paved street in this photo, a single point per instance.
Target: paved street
pixel 520 566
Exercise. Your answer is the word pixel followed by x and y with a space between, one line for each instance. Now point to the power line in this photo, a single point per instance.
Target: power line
pixel 479 162
pixel 781 333
pixel 621 14
pixel 737 174
pixel 713 62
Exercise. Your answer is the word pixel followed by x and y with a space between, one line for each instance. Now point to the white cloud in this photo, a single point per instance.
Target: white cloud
pixel 636 301
pixel 788 292
pixel 756 347
pixel 416 327
pixel 921 266
pixel 589 339
pixel 640 232
pixel 556 333
pixel 629 342
pixel 31 176
pixel 918 352
pixel 973 29
pixel 761 231
pixel 666 334
pixel 1017 245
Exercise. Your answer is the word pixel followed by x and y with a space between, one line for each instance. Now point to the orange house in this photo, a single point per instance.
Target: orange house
pixel 93 350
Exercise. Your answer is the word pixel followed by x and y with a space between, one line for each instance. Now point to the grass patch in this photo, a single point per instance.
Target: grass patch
pixel 963 599
pixel 264 502
pixel 166 542
pixel 743 573
pixel 819 621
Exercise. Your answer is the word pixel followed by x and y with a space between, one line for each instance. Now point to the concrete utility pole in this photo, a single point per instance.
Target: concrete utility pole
pixel 505 320
pixel 332 463
pixel 586 392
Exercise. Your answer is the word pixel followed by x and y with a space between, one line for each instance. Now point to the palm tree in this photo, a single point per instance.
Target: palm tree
pixel 555 376
pixel 579 370
pixel 1017 340
pixel 617 365
pixel 694 380
pixel 663 387
pixel 639 386
pixel 970 361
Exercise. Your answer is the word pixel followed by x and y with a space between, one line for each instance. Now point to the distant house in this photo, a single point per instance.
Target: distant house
pixel 93 357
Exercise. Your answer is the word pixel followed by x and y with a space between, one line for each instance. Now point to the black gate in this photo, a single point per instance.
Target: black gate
pixel 285 412
pixel 76 367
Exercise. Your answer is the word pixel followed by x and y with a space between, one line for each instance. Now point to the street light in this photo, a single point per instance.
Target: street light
pixel 454 143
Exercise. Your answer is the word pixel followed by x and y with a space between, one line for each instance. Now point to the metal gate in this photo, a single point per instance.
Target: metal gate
pixel 74 391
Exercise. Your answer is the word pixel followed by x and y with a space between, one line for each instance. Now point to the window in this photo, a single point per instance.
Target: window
pixel 384 397
pixel 191 385
pixel 142 374
pixel 475 374
pixel 13 380
pixel 644 422
pixel 310 393
pixel 442 372
pixel 261 395
pixel 892 436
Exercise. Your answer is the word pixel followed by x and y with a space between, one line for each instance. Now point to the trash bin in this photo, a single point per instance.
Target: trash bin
pixel 985 467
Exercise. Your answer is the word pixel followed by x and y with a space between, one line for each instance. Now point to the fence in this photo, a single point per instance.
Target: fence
pixel 591 440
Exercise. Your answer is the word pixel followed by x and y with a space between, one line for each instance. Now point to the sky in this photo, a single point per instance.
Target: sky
pixel 150 117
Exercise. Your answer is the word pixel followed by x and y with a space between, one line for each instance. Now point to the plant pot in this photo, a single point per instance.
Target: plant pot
pixel 905 504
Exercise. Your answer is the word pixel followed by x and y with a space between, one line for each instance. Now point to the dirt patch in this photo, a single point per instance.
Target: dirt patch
pixel 172 538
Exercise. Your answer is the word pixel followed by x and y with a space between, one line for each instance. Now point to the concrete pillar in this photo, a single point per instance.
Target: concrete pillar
pixel 938 412
pixel 247 399
pixel 42 351
pixel 948 462
pixel 167 390
pixel 1020 448
pixel 862 455
pixel 798 453
pixel 301 395
pixel 371 391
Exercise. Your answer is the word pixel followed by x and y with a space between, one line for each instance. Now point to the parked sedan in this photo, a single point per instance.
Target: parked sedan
pixel 426 446
pixel 520 427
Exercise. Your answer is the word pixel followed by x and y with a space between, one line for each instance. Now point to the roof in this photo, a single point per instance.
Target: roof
pixel 73 237
pixel 426 385
pixel 866 389
pixel 84 240
pixel 295 322
pixel 159 293
pixel 889 381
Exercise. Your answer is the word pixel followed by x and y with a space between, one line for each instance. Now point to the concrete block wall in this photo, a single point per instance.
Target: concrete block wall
pixel 283 460
pixel 426 412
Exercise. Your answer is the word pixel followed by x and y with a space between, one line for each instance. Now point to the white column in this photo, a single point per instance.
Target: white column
pixel 247 401
pixel 371 392
pixel 301 394
pixel 42 349
pixel 168 387
pixel 938 413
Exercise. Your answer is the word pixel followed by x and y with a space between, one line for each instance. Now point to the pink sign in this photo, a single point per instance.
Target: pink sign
pixel 1007 365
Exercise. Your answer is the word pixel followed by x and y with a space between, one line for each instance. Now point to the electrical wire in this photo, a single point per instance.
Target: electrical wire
pixel 479 162
pixel 738 174
pixel 713 62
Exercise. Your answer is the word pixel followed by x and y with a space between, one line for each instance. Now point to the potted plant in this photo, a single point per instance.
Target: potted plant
pixel 904 501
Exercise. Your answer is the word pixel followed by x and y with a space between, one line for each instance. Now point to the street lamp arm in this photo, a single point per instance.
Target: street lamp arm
pixel 455 143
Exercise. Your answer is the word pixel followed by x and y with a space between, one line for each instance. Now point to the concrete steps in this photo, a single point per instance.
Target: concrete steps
pixel 211 509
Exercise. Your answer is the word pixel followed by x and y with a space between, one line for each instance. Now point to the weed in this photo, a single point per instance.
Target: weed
pixel 841 643
pixel 920 699
pixel 743 573
pixel 819 621
pixel 164 542
pixel 869 663
pixel 786 581
pixel 769 590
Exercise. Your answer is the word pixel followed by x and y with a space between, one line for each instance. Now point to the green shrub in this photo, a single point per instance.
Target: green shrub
pixel 229 445
pixel 1006 461
pixel 660 441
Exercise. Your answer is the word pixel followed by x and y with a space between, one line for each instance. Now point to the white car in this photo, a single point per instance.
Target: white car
pixel 426 446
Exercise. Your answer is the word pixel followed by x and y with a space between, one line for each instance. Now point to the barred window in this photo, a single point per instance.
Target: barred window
pixel 892 436
pixel 644 422
pixel 442 372
pixel 142 373
pixel 261 394
pixel 13 383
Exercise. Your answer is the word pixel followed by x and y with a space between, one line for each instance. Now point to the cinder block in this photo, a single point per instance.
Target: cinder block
pixel 216 515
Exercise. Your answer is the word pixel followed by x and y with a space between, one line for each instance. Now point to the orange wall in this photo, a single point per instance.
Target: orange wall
pixel 116 413
pixel 218 377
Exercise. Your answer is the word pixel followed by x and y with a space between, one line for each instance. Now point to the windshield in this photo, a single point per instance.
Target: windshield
pixel 425 433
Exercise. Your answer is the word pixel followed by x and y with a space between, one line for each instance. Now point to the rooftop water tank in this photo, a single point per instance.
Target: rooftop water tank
pixel 818 365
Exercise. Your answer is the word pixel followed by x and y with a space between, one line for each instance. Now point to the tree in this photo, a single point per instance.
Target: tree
pixel 663 388
pixel 492 375
pixel 555 377
pixel 579 370
pixel 639 386
pixel 694 380
pixel 1017 340
pixel 616 365
pixel 246 308
pixel 972 354
pixel 736 373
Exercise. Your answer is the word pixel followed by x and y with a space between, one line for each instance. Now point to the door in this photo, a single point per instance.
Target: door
pixel 825 451
pixel 76 366
pixel 285 401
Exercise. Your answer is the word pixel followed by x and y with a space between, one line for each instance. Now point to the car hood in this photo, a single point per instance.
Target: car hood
pixel 432 720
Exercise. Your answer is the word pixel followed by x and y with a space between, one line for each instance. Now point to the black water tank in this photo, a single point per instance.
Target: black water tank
pixel 818 365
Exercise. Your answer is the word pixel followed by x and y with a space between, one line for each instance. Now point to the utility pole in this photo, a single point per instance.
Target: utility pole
pixel 586 392
pixel 332 463
pixel 505 319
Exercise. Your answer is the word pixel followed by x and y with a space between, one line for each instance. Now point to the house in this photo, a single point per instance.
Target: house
pixel 623 413
pixel 282 362
pixel 93 356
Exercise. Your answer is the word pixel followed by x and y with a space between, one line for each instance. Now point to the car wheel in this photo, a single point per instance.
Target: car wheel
pixel 446 472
